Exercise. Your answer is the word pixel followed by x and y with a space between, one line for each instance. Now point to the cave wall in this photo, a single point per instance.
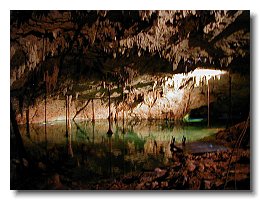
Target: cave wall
pixel 178 38
pixel 81 53
pixel 176 107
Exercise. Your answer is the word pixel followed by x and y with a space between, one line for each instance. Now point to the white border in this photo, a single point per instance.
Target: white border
pixel 131 5
pixel 119 5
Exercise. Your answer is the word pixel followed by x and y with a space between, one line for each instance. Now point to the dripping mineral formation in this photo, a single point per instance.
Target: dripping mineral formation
pixel 128 66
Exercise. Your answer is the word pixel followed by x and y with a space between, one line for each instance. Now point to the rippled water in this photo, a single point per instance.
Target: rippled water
pixel 90 154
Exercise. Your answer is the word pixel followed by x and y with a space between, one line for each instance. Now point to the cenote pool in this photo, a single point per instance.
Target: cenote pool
pixel 90 155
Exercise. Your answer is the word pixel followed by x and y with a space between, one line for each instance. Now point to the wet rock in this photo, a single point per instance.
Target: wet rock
pixel 25 162
pixel 164 184
pixel 130 179
pixel 16 161
pixel 194 183
pixel 157 170
pixel 191 166
pixel 208 163
pixel 201 167
pixel 140 186
pixel 207 184
pixel 218 183
pixel 74 183
pixel 54 182
pixel 154 184
pixel 41 166
pixel 214 166
pixel 147 185
pixel 160 172
pixel 145 179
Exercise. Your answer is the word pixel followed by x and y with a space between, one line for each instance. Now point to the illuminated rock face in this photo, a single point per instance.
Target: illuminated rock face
pixel 163 101
pixel 142 55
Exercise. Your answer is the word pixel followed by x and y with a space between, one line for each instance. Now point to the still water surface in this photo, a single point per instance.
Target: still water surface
pixel 90 154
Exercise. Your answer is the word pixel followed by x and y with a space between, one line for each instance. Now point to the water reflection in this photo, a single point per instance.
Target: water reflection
pixel 69 146
pixel 110 153
pixel 133 146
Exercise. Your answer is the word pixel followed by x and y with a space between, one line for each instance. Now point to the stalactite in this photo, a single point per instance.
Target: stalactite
pixel 158 37
pixel 43 48
pixel 52 79
pixel 21 100
pixel 27 121
pixel 93 111
pixel 150 99
pixel 77 95
pixel 66 109
pixel 208 104
pixel 109 133
pixel 229 122
pixel 69 105
pixel 93 131
pixel 45 109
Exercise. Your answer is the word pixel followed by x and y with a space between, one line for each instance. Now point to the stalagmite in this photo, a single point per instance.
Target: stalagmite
pixel 131 65
pixel 208 103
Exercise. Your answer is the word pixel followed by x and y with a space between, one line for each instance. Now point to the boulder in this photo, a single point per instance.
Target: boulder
pixel 191 166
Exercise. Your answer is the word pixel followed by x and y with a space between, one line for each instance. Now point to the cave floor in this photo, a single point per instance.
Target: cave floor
pixel 139 159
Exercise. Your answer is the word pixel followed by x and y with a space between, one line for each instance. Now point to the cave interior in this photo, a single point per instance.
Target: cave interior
pixel 129 66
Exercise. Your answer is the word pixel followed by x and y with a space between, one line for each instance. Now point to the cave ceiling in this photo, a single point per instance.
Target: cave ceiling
pixel 98 45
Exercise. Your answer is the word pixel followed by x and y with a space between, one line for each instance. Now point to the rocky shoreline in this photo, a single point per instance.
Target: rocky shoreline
pixel 219 170
pixel 208 171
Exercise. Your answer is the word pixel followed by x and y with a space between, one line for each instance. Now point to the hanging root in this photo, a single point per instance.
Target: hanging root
pixel 81 109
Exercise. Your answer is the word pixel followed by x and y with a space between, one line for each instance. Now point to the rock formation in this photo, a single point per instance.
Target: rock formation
pixel 80 53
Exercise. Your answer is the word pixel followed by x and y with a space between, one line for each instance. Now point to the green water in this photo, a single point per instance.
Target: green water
pixel 89 154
